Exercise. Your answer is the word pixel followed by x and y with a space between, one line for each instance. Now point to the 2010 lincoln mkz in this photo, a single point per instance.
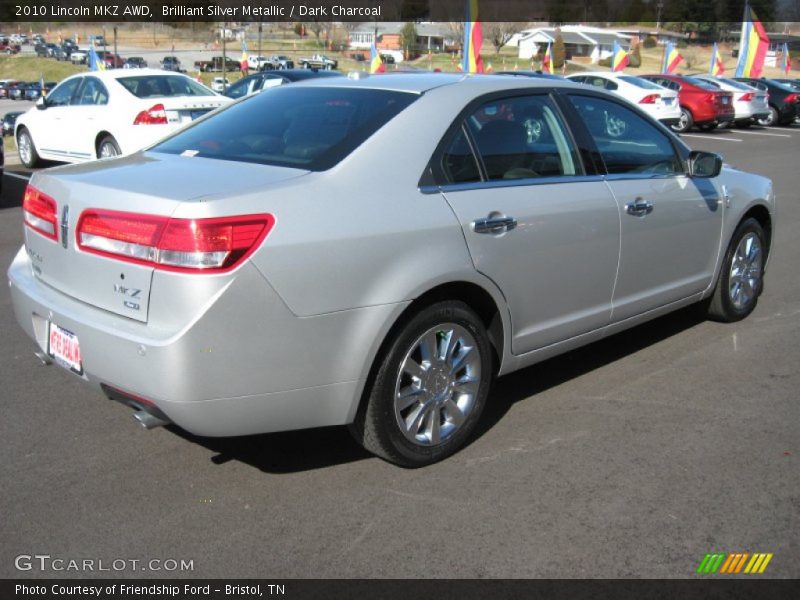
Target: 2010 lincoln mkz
pixel 374 251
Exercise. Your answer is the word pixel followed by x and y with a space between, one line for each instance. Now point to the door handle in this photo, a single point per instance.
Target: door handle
pixel 639 208
pixel 494 224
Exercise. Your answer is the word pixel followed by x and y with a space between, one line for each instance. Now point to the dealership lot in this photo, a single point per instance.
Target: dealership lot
pixel 633 457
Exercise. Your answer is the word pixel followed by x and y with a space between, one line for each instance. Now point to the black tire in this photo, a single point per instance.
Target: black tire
pixel 108 147
pixel 26 149
pixel 771 119
pixel 729 303
pixel 433 394
pixel 685 123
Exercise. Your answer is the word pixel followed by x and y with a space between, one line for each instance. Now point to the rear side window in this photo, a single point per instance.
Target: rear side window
pixel 92 92
pixel 518 138
pixel 162 86
pixel 628 142
pixel 306 128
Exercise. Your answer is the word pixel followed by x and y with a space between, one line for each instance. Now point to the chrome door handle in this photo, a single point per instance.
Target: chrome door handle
pixel 639 208
pixel 494 224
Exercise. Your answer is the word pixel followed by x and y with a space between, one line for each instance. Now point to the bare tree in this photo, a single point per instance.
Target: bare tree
pixel 499 32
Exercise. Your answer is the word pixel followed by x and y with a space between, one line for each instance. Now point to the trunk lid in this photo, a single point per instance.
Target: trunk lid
pixel 147 184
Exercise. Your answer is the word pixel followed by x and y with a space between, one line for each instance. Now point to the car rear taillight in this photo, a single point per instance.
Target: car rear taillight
pixel 155 115
pixel 791 98
pixel 651 99
pixel 189 245
pixel 710 98
pixel 746 97
pixel 39 212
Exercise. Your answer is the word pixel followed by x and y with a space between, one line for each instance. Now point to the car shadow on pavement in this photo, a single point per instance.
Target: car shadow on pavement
pixel 297 451
pixel 553 372
pixel 285 452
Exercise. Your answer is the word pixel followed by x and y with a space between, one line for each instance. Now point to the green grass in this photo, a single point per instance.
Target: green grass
pixel 30 68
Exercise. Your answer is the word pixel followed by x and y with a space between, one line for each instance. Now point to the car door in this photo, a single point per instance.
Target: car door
pixel 50 125
pixel 89 115
pixel 671 223
pixel 535 222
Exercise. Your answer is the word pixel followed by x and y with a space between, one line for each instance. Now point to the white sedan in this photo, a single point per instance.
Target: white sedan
pixel 106 113
pixel 658 101
pixel 220 84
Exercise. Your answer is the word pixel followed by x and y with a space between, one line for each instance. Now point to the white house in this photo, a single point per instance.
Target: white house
pixel 579 40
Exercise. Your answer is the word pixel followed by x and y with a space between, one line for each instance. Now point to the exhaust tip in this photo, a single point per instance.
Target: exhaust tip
pixel 148 421
pixel 45 360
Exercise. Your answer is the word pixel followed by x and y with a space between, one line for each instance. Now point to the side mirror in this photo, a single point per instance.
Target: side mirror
pixel 41 103
pixel 704 164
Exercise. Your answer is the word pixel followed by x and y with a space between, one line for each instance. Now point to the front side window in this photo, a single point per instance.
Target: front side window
pixel 628 142
pixel 522 137
pixel 304 128
pixel 62 95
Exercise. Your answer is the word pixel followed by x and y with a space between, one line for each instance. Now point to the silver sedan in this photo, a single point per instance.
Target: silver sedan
pixel 374 252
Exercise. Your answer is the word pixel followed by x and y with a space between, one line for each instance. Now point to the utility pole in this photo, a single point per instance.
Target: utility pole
pixel 224 53
pixel 115 47
pixel 260 28
pixel 659 6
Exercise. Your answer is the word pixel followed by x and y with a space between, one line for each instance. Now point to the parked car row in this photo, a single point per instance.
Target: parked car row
pixel 704 101
pixel 24 90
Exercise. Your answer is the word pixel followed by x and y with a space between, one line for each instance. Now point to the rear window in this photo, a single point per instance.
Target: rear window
pixel 700 83
pixel 738 85
pixel 300 127
pixel 162 86
pixel 639 82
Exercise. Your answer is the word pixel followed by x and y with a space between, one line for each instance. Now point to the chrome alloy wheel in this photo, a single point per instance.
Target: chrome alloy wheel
pixel 744 279
pixel 437 384
pixel 25 147
pixel 683 123
pixel 108 150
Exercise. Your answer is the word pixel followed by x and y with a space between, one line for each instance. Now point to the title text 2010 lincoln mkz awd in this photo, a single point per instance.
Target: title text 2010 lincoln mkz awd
pixel 375 252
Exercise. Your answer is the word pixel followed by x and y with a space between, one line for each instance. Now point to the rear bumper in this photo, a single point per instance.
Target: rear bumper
pixel 245 365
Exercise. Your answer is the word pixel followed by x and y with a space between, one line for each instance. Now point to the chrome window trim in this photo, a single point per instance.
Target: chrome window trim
pixel 503 183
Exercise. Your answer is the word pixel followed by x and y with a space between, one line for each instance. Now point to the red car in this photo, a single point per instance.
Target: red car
pixel 702 104
pixel 111 60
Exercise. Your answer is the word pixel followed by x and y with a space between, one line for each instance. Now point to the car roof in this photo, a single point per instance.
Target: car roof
pixel 122 73
pixel 419 83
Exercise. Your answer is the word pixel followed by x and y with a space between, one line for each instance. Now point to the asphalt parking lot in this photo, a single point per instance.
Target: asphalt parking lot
pixel 633 457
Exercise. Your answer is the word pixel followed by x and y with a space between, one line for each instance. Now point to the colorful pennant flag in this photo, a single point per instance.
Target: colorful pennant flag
pixel 243 63
pixel 547 61
pixel 753 45
pixel 787 60
pixel 473 39
pixel 619 58
pixel 716 68
pixel 672 59
pixel 375 62
pixel 95 64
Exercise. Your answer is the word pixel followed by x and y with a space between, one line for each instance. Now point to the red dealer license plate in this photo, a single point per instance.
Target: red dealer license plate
pixel 64 348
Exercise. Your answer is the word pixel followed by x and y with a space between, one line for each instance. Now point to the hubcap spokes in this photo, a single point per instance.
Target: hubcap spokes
pixel 437 384
pixel 745 275
pixel 25 148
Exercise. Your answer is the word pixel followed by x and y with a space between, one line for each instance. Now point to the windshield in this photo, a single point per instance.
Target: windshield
pixel 152 86
pixel 300 127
